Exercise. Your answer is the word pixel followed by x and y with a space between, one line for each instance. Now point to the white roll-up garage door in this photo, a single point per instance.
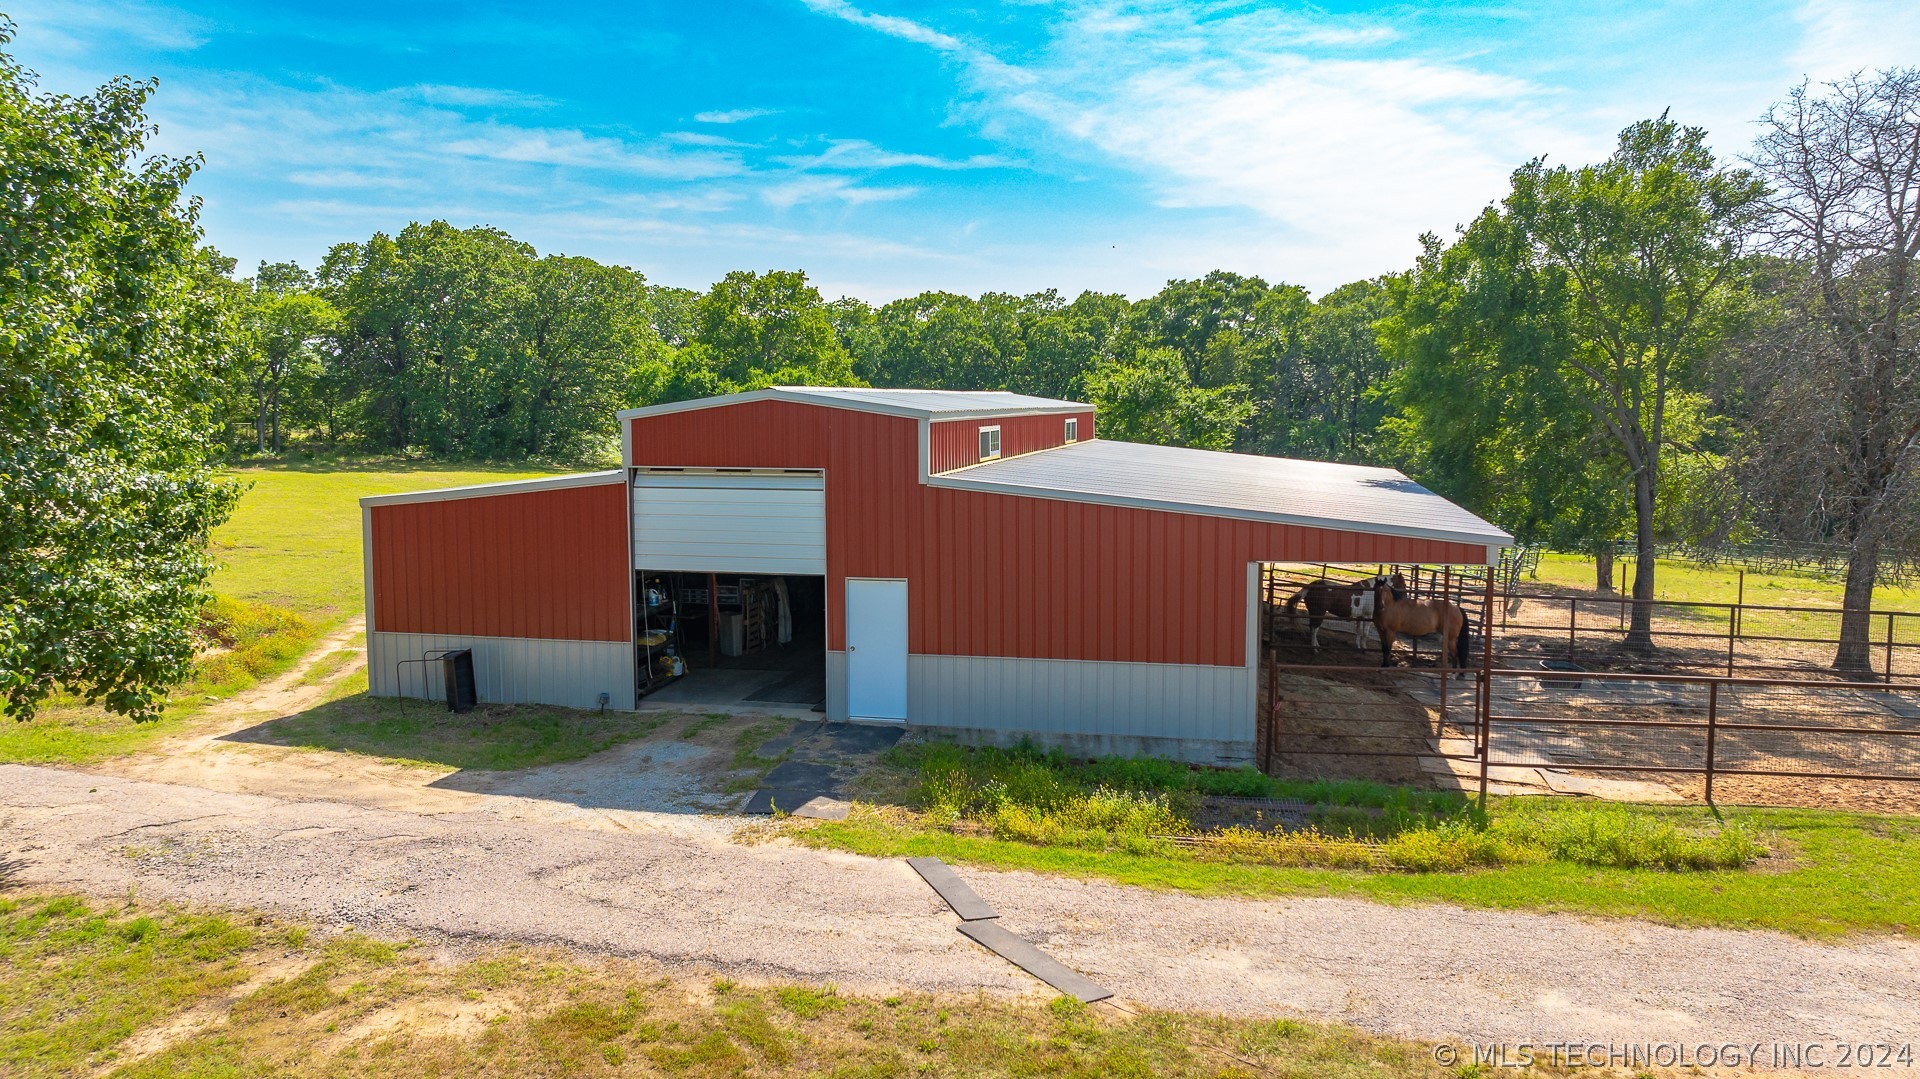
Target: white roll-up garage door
pixel 730 522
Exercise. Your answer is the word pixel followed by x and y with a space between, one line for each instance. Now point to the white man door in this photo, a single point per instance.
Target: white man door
pixel 876 649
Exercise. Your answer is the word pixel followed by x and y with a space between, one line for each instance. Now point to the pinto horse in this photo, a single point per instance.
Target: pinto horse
pixel 1394 616
pixel 1324 599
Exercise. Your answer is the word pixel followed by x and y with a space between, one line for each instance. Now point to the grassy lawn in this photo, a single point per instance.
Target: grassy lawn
pixel 290 570
pixel 276 998
pixel 253 642
pixel 491 737
pixel 1823 874
pixel 294 540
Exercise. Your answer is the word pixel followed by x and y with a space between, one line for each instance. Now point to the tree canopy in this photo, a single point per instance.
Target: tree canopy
pixel 114 331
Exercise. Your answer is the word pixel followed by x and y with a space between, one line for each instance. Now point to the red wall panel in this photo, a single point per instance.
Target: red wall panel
pixel 1001 575
pixel 955 444
pixel 546 564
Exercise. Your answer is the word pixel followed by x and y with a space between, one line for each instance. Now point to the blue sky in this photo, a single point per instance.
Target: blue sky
pixel 888 147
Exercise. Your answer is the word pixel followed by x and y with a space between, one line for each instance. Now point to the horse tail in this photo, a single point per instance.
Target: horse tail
pixel 1293 608
pixel 1466 637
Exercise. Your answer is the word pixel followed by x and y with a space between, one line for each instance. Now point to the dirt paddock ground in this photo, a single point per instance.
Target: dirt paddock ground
pixel 1336 713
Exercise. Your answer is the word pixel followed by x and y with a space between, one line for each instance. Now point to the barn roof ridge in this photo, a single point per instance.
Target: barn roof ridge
pixel 913 403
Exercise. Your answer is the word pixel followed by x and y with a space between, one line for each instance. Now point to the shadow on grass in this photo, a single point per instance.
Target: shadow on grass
pixel 489 738
pixel 662 762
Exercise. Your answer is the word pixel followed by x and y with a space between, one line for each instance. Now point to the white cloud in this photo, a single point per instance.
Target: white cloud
pixel 732 116
pixel 1345 152
pixel 1840 37
pixel 482 97
pixel 785 194
pixel 277 132
pixel 74 26
pixel 859 154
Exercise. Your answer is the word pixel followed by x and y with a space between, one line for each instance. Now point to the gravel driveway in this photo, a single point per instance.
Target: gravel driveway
pixel 687 898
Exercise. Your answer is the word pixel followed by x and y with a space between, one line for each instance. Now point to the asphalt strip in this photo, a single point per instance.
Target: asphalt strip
pixel 978 924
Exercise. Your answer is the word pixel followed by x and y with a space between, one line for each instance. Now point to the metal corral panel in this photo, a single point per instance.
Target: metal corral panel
pixel 730 523
pixel 1012 575
pixel 955 444
pixel 502 562
pixel 506 670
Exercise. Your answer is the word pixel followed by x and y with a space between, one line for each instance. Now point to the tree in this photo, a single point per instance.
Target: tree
pixel 1839 419
pixel 1348 374
pixel 581 333
pixel 284 324
pixel 1482 336
pixel 112 334
pixel 757 330
pixel 1648 241
pixel 1151 398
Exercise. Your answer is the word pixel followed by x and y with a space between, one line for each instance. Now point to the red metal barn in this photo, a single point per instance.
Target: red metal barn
pixel 978 562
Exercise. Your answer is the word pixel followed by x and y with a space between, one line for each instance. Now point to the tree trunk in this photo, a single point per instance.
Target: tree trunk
pixel 260 426
pixel 1603 567
pixel 1863 565
pixel 1640 629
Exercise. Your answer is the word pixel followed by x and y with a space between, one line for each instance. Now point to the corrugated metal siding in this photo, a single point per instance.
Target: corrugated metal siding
pixel 1007 576
pixel 1199 713
pixel 507 670
pixel 546 564
pixel 955 444
pixel 730 523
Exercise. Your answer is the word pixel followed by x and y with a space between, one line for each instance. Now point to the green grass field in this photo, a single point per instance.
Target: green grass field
pixel 1685 582
pixel 276 997
pixel 289 571
pixel 294 541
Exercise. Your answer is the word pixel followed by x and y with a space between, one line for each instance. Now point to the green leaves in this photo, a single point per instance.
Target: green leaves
pixel 1150 398
pixel 115 335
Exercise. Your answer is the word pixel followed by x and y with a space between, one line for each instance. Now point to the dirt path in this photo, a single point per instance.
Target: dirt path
pixel 692 900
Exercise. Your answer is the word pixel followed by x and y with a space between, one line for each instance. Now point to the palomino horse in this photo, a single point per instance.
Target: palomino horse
pixel 1324 599
pixel 1396 616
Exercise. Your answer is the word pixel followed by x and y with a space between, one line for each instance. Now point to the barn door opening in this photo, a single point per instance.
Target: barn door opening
pixel 876 649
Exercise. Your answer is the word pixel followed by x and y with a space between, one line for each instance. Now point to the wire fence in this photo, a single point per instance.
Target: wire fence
pixel 1823 560
pixel 1730 639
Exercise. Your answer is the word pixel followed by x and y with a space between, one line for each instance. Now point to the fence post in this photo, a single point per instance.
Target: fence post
pixel 1483 701
pixel 1890 617
pixel 1271 720
pixel 1573 621
pixel 1740 604
pixel 1713 720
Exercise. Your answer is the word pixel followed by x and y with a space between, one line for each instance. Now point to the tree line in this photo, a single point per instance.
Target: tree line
pixel 1662 344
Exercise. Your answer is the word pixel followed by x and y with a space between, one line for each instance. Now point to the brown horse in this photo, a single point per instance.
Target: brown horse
pixel 1348 602
pixel 1394 615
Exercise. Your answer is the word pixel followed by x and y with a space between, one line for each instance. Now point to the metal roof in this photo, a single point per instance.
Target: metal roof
pixel 1350 498
pixel 919 404
pixel 505 487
